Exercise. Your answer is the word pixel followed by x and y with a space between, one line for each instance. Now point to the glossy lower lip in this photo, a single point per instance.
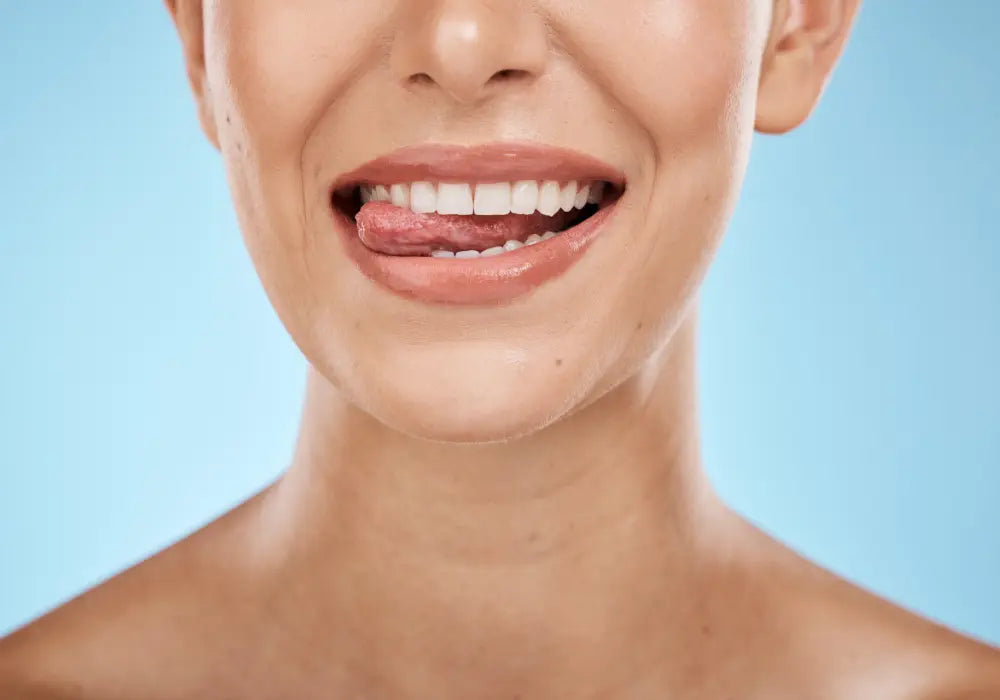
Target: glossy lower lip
pixel 486 281
pixel 492 280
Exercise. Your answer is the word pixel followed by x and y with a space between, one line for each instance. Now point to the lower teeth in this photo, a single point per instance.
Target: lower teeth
pixel 496 250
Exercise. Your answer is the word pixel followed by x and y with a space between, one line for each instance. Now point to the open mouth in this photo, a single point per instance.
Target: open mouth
pixel 468 220
pixel 475 225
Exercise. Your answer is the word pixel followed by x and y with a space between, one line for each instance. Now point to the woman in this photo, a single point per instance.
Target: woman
pixel 485 222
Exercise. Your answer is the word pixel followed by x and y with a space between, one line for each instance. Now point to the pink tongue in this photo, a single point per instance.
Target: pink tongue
pixel 396 231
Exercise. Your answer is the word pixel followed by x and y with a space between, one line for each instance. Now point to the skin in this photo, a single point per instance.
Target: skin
pixel 505 502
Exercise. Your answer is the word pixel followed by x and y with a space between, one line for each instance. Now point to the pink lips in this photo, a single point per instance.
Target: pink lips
pixel 488 280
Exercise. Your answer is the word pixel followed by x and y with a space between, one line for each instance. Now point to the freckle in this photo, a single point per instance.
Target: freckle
pixel 229 119
pixel 558 361
pixel 639 327
pixel 705 629
pixel 533 537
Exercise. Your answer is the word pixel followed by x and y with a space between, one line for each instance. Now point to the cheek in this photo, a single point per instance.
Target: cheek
pixel 681 68
pixel 279 65
pixel 274 69
pixel 685 71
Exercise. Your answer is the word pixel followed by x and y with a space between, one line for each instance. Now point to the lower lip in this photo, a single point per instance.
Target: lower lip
pixel 496 279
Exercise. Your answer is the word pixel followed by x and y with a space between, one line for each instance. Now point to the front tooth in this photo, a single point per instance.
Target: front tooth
pixel 495 250
pixel 567 196
pixel 423 197
pixel 532 239
pixel 400 195
pixel 596 193
pixel 366 194
pixel 581 197
pixel 524 197
pixel 512 245
pixel 467 254
pixel 548 234
pixel 454 199
pixel 548 198
pixel 381 193
pixel 442 254
pixel 493 199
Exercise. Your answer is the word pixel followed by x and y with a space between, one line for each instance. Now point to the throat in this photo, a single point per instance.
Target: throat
pixel 544 564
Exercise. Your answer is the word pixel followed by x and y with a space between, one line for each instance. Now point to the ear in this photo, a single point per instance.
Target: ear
pixel 807 37
pixel 187 16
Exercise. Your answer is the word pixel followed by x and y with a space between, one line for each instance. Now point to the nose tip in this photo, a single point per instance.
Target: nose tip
pixel 470 49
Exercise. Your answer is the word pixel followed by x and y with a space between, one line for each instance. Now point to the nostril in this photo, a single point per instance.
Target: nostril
pixel 421 79
pixel 501 76
pixel 507 75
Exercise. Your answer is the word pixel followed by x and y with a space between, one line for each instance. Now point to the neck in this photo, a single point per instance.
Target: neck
pixel 545 552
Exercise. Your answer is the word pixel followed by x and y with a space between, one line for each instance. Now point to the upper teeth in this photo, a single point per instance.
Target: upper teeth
pixel 497 199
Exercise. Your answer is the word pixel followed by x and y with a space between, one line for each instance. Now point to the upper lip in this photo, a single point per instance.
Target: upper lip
pixel 484 163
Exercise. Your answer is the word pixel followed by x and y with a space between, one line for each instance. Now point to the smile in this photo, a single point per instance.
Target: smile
pixel 473 225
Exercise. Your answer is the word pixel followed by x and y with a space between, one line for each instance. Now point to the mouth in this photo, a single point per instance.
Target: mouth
pixel 473 225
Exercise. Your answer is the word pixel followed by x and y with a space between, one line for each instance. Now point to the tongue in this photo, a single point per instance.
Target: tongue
pixel 393 230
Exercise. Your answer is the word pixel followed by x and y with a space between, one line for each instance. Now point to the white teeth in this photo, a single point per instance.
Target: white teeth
pixel 524 197
pixel 423 197
pixel 495 250
pixel 548 197
pixel 400 195
pixel 493 200
pixel 567 196
pixel 454 199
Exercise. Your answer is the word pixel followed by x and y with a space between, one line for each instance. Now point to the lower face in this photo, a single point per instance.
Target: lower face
pixel 340 166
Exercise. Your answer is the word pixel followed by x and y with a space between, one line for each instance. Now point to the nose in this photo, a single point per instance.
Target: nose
pixel 469 49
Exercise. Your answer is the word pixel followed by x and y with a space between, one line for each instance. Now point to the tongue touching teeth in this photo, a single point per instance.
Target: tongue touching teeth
pixel 461 221
pixel 496 250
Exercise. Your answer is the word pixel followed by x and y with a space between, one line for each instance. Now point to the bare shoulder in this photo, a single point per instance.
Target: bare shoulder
pixel 861 645
pixel 108 642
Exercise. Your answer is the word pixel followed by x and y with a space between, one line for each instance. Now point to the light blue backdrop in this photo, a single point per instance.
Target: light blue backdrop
pixel 850 336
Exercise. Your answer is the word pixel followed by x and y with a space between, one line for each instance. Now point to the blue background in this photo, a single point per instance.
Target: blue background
pixel 850 335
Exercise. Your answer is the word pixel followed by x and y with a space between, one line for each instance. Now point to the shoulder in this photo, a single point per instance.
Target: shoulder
pixel 119 638
pixel 856 644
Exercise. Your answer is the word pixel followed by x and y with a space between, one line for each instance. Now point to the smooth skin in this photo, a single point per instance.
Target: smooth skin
pixel 501 502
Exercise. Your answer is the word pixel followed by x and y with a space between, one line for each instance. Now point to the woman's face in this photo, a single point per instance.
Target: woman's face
pixel 302 93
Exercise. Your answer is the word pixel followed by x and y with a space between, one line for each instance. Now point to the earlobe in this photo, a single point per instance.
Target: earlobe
pixel 806 40
pixel 187 16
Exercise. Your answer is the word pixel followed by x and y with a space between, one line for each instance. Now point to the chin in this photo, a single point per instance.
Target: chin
pixel 462 404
